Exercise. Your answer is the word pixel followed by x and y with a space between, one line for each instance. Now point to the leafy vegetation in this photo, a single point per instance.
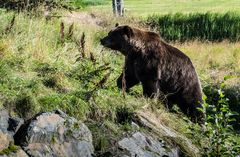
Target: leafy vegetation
pixel 21 5
pixel 33 4
pixel 11 149
pixel 231 94
pixel 219 131
pixel 218 137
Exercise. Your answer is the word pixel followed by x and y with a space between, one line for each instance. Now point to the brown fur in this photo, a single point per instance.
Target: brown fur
pixel 160 67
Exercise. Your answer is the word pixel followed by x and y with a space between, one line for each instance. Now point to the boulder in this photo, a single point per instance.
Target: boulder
pixel 5 136
pixel 142 145
pixel 151 121
pixel 5 140
pixel 54 134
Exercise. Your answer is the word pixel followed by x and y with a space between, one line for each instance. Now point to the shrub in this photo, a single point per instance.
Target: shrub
pixel 231 92
pixel 32 4
pixel 26 104
pixel 219 134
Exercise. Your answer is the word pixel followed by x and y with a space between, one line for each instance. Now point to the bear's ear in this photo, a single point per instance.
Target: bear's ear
pixel 117 24
pixel 128 31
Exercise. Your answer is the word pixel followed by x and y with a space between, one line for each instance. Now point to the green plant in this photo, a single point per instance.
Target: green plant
pixel 219 134
pixel 33 4
pixel 211 90
pixel 124 115
pixel 11 149
pixel 26 104
pixel 84 3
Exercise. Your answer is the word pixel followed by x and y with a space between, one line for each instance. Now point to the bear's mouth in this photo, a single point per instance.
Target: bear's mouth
pixel 105 43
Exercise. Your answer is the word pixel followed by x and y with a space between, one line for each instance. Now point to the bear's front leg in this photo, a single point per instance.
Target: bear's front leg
pixel 150 88
pixel 130 80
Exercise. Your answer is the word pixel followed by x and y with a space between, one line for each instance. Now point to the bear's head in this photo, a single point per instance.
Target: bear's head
pixel 118 38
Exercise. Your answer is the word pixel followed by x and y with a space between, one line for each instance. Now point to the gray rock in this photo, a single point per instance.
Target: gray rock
pixel 142 145
pixel 6 137
pixel 8 126
pixel 151 121
pixel 53 134
pixel 4 116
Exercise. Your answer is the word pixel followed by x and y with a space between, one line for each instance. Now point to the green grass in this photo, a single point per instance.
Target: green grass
pixel 149 7
pixel 201 26
pixel 84 3
pixel 11 149
pixel 39 73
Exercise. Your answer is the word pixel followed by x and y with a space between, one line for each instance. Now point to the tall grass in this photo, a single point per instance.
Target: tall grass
pixel 202 26
pixel 79 4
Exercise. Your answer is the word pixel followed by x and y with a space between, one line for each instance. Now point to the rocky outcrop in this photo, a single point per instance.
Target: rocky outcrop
pixel 151 121
pixel 55 134
pixel 142 145
pixel 50 134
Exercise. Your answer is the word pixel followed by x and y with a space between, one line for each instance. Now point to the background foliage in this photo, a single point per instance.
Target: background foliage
pixel 201 26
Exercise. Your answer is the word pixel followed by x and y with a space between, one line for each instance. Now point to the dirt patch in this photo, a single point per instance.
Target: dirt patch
pixel 84 18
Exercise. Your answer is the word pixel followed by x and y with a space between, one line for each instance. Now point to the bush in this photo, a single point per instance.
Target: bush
pixel 203 26
pixel 219 133
pixel 26 104
pixel 230 92
pixel 32 4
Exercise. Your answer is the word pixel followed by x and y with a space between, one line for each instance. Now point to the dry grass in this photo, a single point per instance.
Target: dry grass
pixel 213 61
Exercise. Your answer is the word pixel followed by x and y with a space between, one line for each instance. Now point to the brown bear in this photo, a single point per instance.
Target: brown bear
pixel 159 67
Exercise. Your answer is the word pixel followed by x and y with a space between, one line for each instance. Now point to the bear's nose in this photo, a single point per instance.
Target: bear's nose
pixel 102 41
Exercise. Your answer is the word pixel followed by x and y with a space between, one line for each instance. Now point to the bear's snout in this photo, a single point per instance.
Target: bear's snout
pixel 102 41
pixel 105 42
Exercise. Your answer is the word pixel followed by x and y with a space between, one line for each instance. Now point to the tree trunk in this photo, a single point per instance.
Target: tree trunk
pixel 118 7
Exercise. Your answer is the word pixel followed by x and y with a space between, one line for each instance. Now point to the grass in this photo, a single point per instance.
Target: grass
pixel 213 61
pixel 39 72
pixel 11 149
pixel 146 7
pixel 80 4
pixel 202 26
